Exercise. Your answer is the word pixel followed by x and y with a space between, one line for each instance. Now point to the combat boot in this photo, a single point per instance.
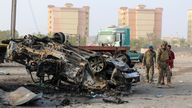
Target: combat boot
pixel 169 85
pixel 159 85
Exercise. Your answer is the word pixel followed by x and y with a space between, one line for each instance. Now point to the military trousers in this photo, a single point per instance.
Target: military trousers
pixel 149 72
pixel 164 71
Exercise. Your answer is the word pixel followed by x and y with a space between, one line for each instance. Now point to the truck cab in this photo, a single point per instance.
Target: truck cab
pixel 118 37
pixel 114 36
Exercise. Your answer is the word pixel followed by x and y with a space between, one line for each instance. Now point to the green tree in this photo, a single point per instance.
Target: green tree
pixel 174 42
pixel 137 44
pixel 183 43
pixel 156 42
pixel 6 34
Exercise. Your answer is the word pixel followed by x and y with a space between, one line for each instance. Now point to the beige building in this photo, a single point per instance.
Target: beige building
pixel 68 19
pixel 142 22
pixel 189 37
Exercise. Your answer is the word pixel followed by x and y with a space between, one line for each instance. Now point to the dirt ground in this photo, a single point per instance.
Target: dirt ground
pixel 143 95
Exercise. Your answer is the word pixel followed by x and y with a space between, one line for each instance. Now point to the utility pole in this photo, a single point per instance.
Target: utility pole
pixel 13 18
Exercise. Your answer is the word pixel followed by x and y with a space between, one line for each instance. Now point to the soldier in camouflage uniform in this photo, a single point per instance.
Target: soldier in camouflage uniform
pixel 163 67
pixel 148 62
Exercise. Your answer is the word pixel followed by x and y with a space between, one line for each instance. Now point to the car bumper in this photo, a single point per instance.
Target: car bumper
pixel 133 76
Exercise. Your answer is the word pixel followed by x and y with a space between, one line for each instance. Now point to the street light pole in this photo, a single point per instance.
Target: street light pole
pixel 13 18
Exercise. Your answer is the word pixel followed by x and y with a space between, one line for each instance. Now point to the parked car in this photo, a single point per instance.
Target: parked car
pixel 135 56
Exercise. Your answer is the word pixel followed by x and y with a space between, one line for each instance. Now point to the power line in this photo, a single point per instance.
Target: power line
pixel 33 16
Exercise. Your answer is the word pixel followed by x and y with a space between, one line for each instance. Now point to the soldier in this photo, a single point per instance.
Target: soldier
pixel 170 62
pixel 162 58
pixel 148 62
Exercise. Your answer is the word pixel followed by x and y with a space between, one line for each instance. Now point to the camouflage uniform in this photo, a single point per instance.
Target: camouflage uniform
pixel 148 62
pixel 163 67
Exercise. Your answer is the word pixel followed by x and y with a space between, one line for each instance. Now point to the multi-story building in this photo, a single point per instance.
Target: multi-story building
pixel 69 20
pixel 142 22
pixel 189 37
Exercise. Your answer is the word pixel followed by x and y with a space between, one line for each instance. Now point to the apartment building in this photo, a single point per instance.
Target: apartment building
pixel 69 20
pixel 143 22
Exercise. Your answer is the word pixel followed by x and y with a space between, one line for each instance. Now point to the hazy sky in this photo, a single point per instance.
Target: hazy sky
pixel 102 14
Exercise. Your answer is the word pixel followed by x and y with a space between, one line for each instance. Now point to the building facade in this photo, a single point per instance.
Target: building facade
pixel 69 20
pixel 189 35
pixel 142 22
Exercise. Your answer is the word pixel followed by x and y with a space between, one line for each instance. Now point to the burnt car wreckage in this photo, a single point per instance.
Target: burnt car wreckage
pixel 54 61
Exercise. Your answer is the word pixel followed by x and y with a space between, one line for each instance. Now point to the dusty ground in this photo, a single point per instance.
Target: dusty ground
pixel 143 96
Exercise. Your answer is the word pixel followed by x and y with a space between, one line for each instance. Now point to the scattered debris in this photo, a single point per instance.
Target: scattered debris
pixel 21 96
pixel 96 95
pixel 3 97
pixel 147 98
pixel 65 102
pixel 115 100
pixel 4 73
pixel 159 95
pixel 181 81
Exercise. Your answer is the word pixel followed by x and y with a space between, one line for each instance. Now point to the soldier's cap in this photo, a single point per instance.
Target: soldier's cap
pixel 169 46
pixel 150 47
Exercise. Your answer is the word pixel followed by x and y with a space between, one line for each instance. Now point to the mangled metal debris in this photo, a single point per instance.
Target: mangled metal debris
pixel 65 102
pixel 115 100
pixel 21 96
pixel 4 73
pixel 56 62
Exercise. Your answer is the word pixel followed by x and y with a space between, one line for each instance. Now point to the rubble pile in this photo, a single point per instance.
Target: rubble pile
pixel 54 61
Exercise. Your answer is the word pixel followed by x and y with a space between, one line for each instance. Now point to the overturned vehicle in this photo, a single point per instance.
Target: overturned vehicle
pixel 54 61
